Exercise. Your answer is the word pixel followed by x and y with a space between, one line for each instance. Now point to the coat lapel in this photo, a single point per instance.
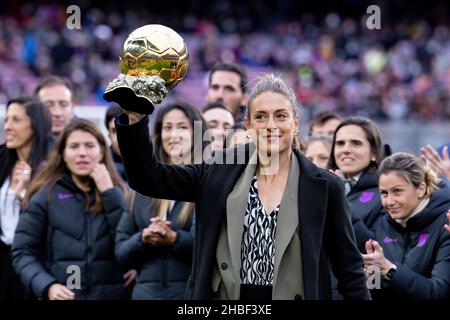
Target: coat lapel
pixel 236 204
pixel 287 221
pixel 312 205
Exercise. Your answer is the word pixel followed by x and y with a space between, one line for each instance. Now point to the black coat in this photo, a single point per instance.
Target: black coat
pixel 56 232
pixel 366 207
pixel 421 251
pixel 323 211
pixel 162 271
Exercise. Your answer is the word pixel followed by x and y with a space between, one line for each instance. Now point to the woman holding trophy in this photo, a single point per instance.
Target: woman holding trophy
pixel 268 221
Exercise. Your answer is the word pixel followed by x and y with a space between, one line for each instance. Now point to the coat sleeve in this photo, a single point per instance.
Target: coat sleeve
pixel 114 204
pixel 29 246
pixel 362 234
pixel 184 244
pixel 417 286
pixel 129 246
pixel 149 176
pixel 346 261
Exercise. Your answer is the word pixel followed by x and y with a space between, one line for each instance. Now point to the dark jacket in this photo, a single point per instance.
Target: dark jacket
pixel 421 251
pixel 365 204
pixel 118 163
pixel 325 227
pixel 55 232
pixel 162 271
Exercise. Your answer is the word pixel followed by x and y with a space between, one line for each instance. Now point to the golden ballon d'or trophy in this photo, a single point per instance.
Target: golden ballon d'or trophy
pixel 154 59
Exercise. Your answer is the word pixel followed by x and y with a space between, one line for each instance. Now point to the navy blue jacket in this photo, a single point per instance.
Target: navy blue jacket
pixel 56 232
pixel 163 271
pixel 365 204
pixel 421 251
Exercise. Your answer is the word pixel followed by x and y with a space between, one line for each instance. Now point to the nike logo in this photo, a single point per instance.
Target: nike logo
pixel 64 196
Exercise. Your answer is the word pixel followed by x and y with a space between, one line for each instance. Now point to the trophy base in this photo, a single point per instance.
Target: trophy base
pixel 128 100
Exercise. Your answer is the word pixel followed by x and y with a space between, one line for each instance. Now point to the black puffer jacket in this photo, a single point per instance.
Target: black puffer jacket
pixel 162 271
pixel 421 251
pixel 366 207
pixel 55 232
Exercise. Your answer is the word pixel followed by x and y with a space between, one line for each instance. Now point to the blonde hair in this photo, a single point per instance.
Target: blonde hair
pixel 412 168
pixel 273 83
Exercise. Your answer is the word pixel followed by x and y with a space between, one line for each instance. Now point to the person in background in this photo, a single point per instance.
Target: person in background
pixel 410 248
pixel 56 94
pixel 228 83
pixel 28 136
pixel 64 243
pixel 356 152
pixel 220 122
pixel 318 150
pixel 157 236
pixel 324 124
pixel 113 111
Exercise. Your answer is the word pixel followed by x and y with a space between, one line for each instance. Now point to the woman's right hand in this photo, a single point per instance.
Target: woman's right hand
pixel 59 292
pixel 20 177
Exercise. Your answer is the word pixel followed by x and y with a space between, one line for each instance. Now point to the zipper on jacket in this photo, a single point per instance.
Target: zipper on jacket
pixel 407 246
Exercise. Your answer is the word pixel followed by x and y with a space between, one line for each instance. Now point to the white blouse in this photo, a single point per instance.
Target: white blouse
pixel 9 213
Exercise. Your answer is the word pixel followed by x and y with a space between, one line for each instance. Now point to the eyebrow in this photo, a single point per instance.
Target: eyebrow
pixel 278 110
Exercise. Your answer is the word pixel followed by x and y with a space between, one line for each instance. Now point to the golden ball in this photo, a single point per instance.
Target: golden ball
pixel 155 50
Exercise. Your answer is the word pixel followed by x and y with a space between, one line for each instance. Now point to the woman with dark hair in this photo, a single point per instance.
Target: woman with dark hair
pixel 410 249
pixel 27 130
pixel 356 152
pixel 64 243
pixel 157 236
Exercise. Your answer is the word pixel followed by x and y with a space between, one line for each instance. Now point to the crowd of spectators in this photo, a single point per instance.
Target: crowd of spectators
pixel 401 71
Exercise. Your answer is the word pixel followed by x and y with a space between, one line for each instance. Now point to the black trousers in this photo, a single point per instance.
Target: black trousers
pixel 11 288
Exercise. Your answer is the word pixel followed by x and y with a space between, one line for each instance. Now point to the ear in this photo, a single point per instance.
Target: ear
pixel 421 190
pixel 297 122
pixel 247 123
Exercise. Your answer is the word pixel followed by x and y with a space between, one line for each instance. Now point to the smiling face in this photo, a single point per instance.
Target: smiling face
pixel 398 195
pixel 352 151
pixel 176 135
pixel 272 117
pixel 82 153
pixel 18 130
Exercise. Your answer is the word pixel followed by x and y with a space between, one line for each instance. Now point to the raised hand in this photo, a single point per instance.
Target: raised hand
pixel 101 177
pixel 20 177
pixel 375 257
pixel 439 164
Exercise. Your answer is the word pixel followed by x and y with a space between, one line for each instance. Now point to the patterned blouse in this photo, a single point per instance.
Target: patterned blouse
pixel 258 241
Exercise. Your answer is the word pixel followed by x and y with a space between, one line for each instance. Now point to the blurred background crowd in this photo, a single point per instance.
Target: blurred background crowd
pixel 330 57
pixel 324 50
